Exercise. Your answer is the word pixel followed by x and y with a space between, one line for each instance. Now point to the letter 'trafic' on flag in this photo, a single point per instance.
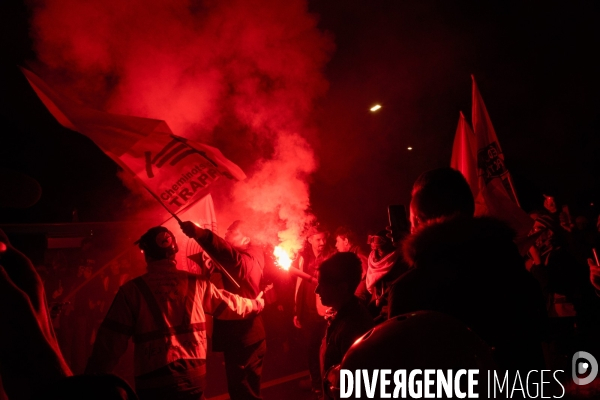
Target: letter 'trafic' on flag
pixel 175 169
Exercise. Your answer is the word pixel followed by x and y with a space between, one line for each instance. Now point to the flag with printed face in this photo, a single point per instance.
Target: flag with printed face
pixel 478 155
pixel 176 170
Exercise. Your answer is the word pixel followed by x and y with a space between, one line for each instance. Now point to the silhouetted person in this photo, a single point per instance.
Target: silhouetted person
pixel 346 241
pixel 469 268
pixel 422 340
pixel 338 278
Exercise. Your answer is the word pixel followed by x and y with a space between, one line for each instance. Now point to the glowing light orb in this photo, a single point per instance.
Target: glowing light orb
pixel 375 107
pixel 283 258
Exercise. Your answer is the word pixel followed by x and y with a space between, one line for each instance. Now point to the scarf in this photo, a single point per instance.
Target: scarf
pixel 378 269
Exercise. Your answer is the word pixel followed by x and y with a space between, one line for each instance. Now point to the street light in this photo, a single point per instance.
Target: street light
pixel 375 107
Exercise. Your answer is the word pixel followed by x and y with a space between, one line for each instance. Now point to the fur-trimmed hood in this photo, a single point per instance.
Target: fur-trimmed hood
pixel 470 268
pixel 482 240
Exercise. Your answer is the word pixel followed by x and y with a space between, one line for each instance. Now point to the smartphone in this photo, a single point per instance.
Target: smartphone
pixel 398 220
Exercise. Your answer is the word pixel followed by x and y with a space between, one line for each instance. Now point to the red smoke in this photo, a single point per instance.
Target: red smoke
pixel 199 66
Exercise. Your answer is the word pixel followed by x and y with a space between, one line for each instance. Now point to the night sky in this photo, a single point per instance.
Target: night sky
pixel 535 64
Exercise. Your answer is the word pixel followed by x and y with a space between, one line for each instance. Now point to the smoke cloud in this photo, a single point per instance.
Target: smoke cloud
pixel 243 75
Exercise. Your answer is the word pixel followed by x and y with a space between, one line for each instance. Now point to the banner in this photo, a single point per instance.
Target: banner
pixel 176 170
pixel 171 168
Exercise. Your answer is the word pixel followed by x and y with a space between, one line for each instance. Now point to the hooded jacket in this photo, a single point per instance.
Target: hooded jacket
pixel 471 269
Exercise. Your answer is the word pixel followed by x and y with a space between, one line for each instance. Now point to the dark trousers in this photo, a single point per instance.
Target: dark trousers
pixel 243 368
pixel 179 380
pixel 313 330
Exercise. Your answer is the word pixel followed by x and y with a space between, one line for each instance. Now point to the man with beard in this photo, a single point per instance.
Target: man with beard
pixel 242 342
pixel 310 313
pixel 469 267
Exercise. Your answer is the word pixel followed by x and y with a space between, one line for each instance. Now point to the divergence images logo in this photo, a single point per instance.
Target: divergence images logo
pixel 583 363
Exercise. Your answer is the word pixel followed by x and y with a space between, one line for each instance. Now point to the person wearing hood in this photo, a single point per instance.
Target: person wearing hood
pixel 470 268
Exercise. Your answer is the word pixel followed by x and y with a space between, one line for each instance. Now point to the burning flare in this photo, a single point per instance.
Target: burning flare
pixel 283 258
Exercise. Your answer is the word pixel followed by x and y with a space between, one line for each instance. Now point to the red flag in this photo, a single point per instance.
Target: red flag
pixel 463 154
pixel 176 170
pixel 490 159
pixel 496 195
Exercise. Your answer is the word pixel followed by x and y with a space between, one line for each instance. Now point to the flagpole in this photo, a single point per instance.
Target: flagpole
pixel 219 266
pixel 163 204
pixel 512 187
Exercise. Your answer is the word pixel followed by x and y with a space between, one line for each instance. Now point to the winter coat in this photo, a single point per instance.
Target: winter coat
pixel 471 269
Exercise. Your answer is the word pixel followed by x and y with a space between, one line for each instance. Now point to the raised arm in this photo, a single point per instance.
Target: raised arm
pixel 217 248
pixel 244 263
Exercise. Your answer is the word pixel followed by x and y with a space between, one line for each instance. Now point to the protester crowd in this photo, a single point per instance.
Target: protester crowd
pixel 523 304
